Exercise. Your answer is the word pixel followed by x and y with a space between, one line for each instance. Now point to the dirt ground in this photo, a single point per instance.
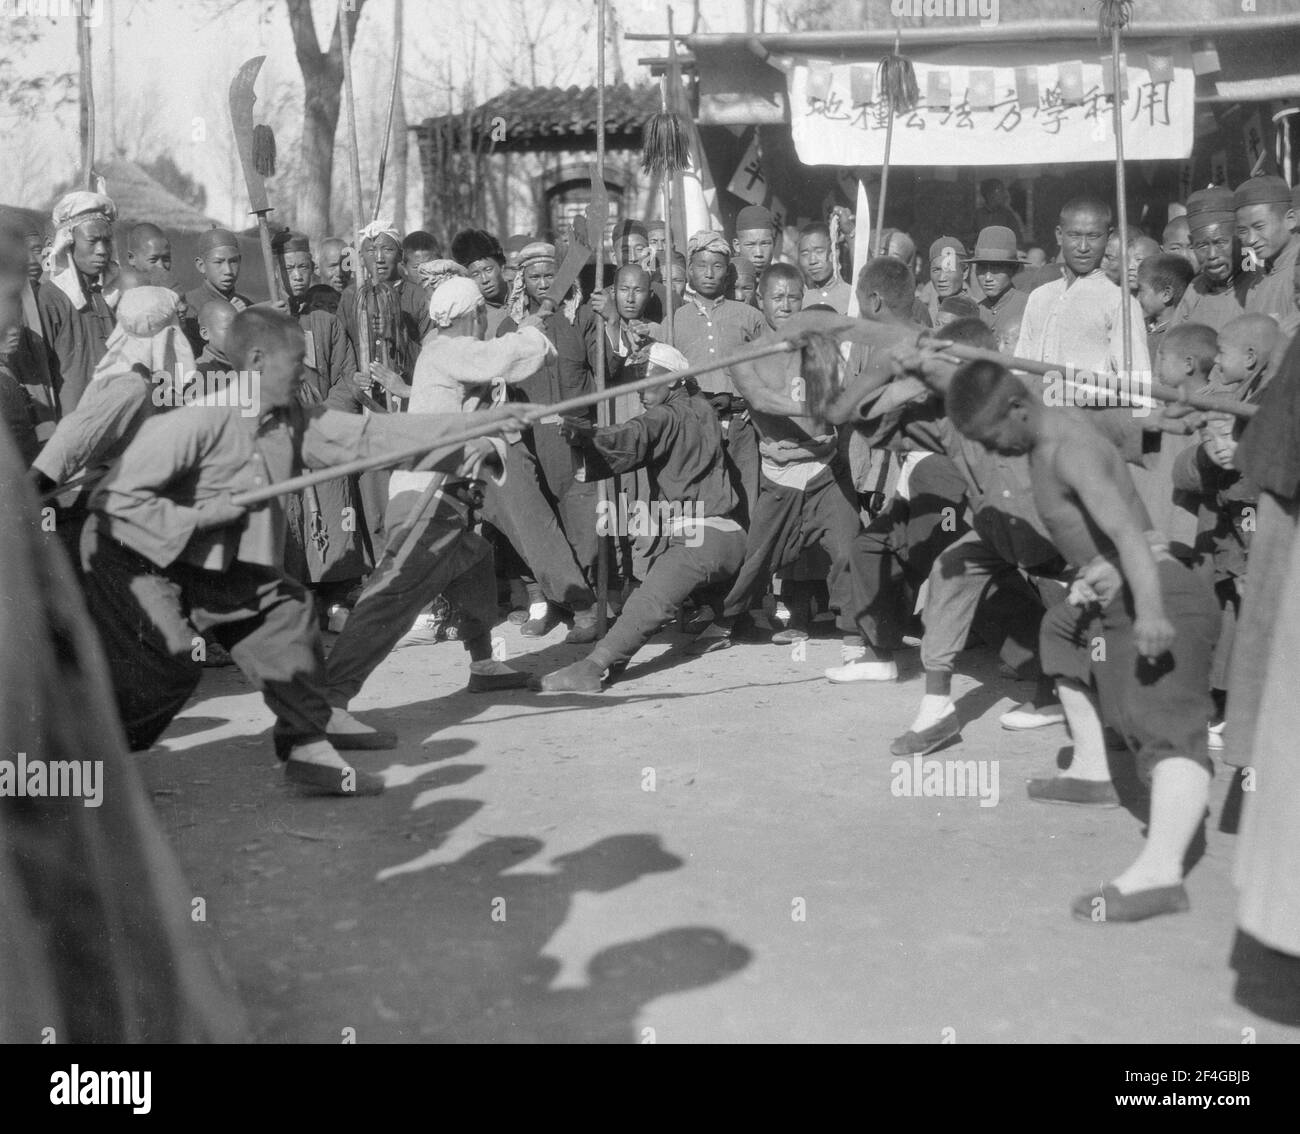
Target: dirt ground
pixel 710 851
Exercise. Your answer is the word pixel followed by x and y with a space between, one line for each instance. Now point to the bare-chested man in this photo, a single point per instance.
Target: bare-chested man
pixel 1137 633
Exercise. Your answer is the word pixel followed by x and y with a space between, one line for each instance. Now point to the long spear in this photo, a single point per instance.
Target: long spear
pixel 896 79
pixel 392 106
pixel 1113 16
pixel 596 237
pixel 569 405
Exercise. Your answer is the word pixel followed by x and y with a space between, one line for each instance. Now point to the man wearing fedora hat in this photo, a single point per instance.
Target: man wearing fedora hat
pixel 996 264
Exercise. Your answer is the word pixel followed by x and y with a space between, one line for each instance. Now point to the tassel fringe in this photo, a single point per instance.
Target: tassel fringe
pixel 264 150
pixel 665 151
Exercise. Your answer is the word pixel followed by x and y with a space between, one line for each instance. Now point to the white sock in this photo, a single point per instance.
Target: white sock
pixel 934 707
pixel 538 610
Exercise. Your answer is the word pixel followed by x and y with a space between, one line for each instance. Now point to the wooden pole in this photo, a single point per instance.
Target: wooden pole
pixel 349 103
pixel 666 189
pixel 1121 196
pixel 86 101
pixel 569 405
pixel 603 408
pixel 392 106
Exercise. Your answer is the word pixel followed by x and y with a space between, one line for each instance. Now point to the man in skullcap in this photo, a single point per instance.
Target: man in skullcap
pixel 30 357
pixel 542 466
pixel 1217 293
pixel 514 244
pixel 948 276
pixel 326 547
pixel 217 259
pixel 679 441
pixel 755 237
pixel 456 372
pixel 1264 214
pixel 76 307
pixel 146 364
pixel 708 326
pixel 481 255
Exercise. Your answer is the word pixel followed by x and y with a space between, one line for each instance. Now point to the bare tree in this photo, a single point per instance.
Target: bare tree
pixel 322 77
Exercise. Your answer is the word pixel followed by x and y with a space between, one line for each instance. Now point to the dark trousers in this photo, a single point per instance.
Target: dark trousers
pixel 893 555
pixel 784 523
pixel 444 559
pixel 743 465
pixel 672 577
pixel 548 517
pixel 969 576
pixel 152 621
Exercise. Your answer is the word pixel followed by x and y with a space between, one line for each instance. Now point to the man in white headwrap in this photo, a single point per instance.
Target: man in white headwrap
pixel 679 441
pixel 143 371
pixel 456 372
pixel 76 307
pixel 384 315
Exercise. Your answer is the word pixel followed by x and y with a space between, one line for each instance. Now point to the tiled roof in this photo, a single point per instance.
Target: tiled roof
pixel 554 115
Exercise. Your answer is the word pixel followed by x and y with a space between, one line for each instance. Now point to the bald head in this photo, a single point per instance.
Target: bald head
pixel 1246 346
pixel 149 253
pixel 329 263
pixel 215 318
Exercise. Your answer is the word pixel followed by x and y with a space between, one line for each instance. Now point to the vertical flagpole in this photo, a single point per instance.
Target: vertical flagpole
pixel 602 412
pixel 1114 15
pixel 87 103
pixel 349 102
pixel 666 189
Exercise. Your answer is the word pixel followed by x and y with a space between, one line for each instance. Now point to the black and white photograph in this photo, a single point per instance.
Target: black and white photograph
pixel 731 522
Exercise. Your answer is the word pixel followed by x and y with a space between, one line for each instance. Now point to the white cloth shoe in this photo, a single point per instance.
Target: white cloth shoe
pixel 861 670
pixel 1028 715
pixel 1214 737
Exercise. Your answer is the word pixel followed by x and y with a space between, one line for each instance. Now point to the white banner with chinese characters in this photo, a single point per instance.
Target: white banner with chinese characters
pixel 1019 104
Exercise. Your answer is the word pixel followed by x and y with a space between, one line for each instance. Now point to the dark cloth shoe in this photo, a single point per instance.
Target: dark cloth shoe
pixel 580 677
pixel 330 780
pixel 710 642
pixel 540 627
pixel 492 682
pixel 1137 906
pixel 946 728
pixel 789 636
pixel 1069 789
pixel 584 631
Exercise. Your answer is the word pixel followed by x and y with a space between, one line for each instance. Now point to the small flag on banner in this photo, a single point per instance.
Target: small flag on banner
pixel 861 84
pixel 938 90
pixel 1027 87
pixel 1205 57
pixel 749 183
pixel 1160 66
pixel 1252 134
pixel 980 93
pixel 779 212
pixel 819 78
pixel 1070 79
pixel 1107 75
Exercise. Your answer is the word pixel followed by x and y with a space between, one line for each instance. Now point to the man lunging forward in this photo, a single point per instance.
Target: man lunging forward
pixel 1138 631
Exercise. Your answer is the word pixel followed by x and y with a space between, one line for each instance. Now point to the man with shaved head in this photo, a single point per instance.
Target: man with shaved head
pixel 330 265
pixel 214 320
pixel 1176 240
pixel 149 252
